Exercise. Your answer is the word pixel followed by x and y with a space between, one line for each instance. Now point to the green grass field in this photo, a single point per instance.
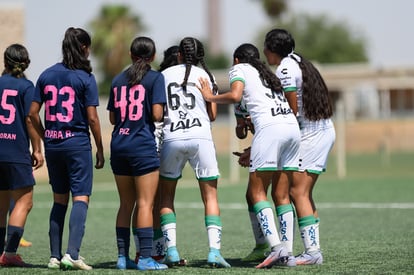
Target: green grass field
pixel 367 223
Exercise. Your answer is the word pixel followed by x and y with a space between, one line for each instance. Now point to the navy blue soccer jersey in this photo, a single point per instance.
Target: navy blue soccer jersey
pixel 16 95
pixel 66 94
pixel 133 133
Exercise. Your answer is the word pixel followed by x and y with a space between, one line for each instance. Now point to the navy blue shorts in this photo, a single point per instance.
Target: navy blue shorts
pixel 134 166
pixel 70 171
pixel 15 176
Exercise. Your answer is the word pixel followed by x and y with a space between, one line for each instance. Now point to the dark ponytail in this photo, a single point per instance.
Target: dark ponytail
pixel 142 52
pixel 248 53
pixel 74 45
pixel 16 60
pixel 315 96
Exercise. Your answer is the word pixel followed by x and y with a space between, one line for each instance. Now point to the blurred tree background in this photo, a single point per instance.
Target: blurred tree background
pixel 113 31
pixel 318 38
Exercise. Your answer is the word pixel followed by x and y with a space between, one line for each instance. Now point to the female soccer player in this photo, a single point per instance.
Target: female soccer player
pixel 68 90
pixel 280 196
pixel 16 94
pixel 137 99
pixel 308 96
pixel 252 81
pixel 170 59
pixel 187 137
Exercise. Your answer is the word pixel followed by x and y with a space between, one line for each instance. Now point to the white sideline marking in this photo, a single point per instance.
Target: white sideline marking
pixel 243 206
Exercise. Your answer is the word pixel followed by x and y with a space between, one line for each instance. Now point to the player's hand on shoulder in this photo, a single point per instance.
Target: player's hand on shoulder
pixel 204 88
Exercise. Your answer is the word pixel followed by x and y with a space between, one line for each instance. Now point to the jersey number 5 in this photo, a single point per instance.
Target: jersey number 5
pixel 8 107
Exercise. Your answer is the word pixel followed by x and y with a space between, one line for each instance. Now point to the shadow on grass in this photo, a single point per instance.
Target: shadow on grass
pixel 105 265
pixel 197 263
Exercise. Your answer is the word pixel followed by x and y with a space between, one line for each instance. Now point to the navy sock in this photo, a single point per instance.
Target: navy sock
pixel 14 234
pixel 145 236
pixel 56 224
pixel 77 222
pixel 123 235
pixel 11 206
pixel 2 238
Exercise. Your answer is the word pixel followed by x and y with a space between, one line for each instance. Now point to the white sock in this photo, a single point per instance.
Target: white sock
pixel 158 247
pixel 317 234
pixel 214 236
pixel 268 226
pixel 310 238
pixel 287 229
pixel 257 230
pixel 170 234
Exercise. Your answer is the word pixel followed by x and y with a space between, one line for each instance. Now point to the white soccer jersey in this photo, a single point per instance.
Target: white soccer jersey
pixel 265 107
pixel 187 112
pixel 290 76
pixel 317 137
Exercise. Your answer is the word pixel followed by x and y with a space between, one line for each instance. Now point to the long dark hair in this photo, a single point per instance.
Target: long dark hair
pixel 192 51
pixel 170 58
pixel 315 95
pixel 142 51
pixel 16 60
pixel 74 45
pixel 248 53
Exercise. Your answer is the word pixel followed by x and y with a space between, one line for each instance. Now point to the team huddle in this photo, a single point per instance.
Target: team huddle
pixel 161 120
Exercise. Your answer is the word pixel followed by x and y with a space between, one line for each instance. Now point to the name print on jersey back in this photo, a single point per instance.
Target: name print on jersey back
pixel 67 96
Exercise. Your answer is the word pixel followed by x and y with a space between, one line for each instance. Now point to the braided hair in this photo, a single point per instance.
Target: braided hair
pixel 248 53
pixel 73 49
pixel 142 52
pixel 16 60
pixel 315 94
pixel 192 51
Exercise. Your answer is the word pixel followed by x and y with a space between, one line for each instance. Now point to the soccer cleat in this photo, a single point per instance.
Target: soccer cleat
pixel 290 261
pixel 257 254
pixel 309 258
pixel 68 263
pixel 125 263
pixel 24 243
pixel 12 260
pixel 54 263
pixel 216 260
pixel 171 257
pixel 149 263
pixel 278 256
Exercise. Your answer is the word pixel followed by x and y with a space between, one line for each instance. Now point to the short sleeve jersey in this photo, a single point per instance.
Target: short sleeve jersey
pixel 290 76
pixel 187 110
pixel 66 94
pixel 265 107
pixel 16 95
pixel 133 133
